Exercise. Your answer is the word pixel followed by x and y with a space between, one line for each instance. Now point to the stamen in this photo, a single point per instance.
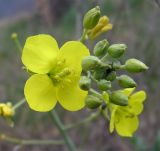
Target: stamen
pixel 64 72
pixel 61 62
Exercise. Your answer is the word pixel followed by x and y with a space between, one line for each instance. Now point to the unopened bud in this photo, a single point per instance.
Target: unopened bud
pixel 6 110
pixel 119 98
pixel 135 66
pixel 126 81
pixel 14 35
pixel 101 48
pixel 104 85
pixel 99 74
pixel 90 63
pixel 92 102
pixel 91 18
pixel 102 26
pixel 116 64
pixel 117 50
pixel 111 76
pixel 85 83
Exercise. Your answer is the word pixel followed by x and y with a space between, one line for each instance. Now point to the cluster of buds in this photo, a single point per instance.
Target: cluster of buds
pixel 6 110
pixel 102 67
pixel 95 24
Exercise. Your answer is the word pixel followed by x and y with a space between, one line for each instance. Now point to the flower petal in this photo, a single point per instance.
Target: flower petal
pixel 71 97
pixel 126 126
pixel 112 120
pixel 136 102
pixel 39 53
pixel 128 91
pixel 40 93
pixel 73 52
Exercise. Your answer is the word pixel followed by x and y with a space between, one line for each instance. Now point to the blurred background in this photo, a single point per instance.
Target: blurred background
pixel 136 23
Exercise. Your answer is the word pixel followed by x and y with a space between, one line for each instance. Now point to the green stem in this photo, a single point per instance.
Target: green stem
pixel 30 142
pixel 15 39
pixel 83 37
pixel 92 117
pixel 18 104
pixel 96 93
pixel 55 118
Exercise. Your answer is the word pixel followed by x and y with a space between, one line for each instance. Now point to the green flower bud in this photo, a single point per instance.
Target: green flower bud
pixel 117 50
pixel 118 98
pixel 90 63
pixel 85 83
pixel 126 82
pixel 111 76
pixel 92 102
pixel 91 18
pixel 14 35
pixel 104 85
pixel 101 48
pixel 116 64
pixel 135 66
pixel 99 74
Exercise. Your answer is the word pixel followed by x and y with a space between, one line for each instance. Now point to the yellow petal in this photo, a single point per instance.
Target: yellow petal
pixel 40 93
pixel 71 97
pixel 39 53
pixel 105 96
pixel 136 102
pixel 112 121
pixel 126 126
pixel 73 52
pixel 128 91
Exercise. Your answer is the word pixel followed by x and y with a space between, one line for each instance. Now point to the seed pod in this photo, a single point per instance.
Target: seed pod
pixel 85 83
pixel 135 66
pixel 119 98
pixel 126 82
pixel 91 18
pixel 117 50
pixel 104 85
pixel 101 48
pixel 92 102
pixel 90 63
pixel 111 76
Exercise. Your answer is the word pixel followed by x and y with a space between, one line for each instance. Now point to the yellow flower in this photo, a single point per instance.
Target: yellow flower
pixel 125 118
pixel 6 110
pixel 102 26
pixel 57 73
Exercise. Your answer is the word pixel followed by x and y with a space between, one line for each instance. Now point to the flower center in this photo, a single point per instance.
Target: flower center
pixel 60 73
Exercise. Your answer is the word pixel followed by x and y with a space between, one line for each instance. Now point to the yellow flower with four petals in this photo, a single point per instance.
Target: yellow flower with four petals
pixel 56 73
pixel 125 118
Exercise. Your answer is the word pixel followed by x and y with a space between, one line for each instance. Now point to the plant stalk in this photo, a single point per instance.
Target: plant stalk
pixel 55 118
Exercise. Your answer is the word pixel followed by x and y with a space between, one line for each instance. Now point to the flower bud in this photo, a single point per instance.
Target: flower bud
pixel 104 85
pixel 117 50
pixel 102 26
pixel 135 66
pixel 101 48
pixel 111 76
pixel 91 18
pixel 99 74
pixel 85 83
pixel 126 82
pixel 92 102
pixel 90 63
pixel 6 110
pixel 116 64
pixel 119 98
pixel 14 35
